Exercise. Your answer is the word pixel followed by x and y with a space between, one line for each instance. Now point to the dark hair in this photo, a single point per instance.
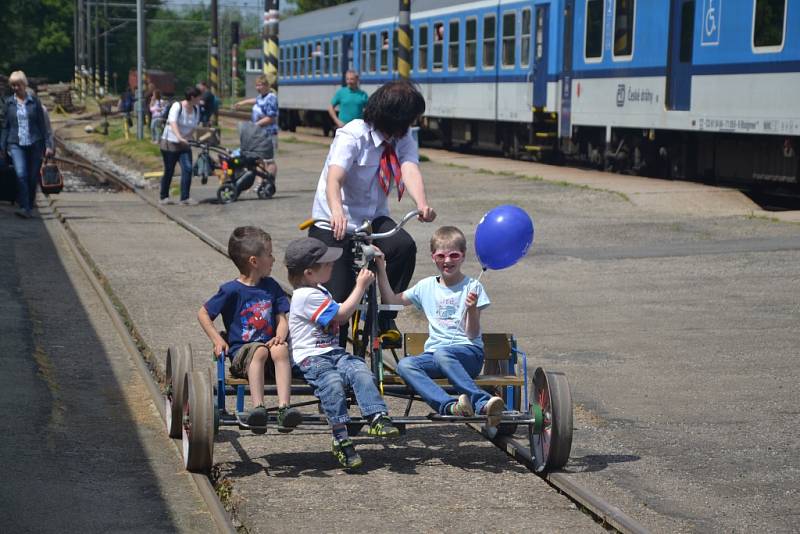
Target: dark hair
pixel 394 107
pixel 297 276
pixel 191 92
pixel 246 241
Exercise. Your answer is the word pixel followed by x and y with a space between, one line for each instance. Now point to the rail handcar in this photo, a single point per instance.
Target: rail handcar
pixel 670 88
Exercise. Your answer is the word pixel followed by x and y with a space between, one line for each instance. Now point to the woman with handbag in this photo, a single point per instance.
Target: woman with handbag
pixel 182 119
pixel 26 137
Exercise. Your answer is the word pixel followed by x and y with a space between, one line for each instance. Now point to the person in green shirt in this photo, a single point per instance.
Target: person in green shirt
pixel 349 99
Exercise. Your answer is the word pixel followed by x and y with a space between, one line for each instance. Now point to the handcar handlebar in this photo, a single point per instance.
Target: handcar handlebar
pixel 364 230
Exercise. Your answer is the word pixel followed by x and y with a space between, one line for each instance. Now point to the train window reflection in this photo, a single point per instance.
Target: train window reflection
pixel 489 38
pixel 452 48
pixel 525 38
pixel 768 23
pixel 471 43
pixel 509 31
pixel 593 47
pixel 422 49
pixel 624 12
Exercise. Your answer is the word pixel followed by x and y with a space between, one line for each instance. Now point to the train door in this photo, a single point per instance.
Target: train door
pixel 540 56
pixel 679 59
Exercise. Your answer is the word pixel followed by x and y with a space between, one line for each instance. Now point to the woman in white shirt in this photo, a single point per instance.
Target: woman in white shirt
pixel 182 120
pixel 368 159
pixel 157 109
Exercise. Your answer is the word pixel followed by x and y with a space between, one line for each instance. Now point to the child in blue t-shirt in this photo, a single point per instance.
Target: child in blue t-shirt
pixel 254 308
pixel 454 349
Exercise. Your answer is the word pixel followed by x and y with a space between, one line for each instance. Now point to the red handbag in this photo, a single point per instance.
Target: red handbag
pixel 51 179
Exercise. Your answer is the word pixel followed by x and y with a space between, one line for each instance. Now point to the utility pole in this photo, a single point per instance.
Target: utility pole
pixel 81 56
pixel 96 52
pixel 75 45
pixel 139 69
pixel 271 8
pixel 214 51
pixel 404 40
pixel 105 43
pixel 234 58
pixel 90 60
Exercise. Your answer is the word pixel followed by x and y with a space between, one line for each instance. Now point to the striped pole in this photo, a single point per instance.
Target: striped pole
pixel 234 58
pixel 214 50
pixel 404 40
pixel 271 42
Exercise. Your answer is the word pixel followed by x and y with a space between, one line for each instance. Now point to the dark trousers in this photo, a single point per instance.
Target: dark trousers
pixel 170 159
pixel 27 162
pixel 401 256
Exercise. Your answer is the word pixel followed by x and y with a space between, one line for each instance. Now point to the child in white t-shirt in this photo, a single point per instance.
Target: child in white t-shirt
pixel 314 320
pixel 454 349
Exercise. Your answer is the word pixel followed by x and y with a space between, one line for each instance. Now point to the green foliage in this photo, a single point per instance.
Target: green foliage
pixel 36 37
pixel 304 6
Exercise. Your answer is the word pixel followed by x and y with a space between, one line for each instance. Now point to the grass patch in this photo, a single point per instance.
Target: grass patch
pixel 142 154
pixel 423 158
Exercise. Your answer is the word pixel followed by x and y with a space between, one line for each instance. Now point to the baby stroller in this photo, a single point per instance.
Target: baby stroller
pixel 240 168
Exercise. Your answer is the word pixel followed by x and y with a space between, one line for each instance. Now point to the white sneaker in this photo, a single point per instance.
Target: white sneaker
pixel 166 201
pixel 189 202
pixel 494 411
pixel 463 407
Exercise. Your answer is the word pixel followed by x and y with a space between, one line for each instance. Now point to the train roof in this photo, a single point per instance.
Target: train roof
pixel 347 17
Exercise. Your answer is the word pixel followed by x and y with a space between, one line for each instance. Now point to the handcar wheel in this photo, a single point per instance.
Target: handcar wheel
pixel 198 424
pixel 179 363
pixel 226 193
pixel 267 188
pixel 551 440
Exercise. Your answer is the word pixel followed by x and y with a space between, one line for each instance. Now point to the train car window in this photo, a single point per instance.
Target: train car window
pixel 438 43
pixel 373 52
pixel 471 43
pixel 394 50
pixel 769 19
pixel 310 58
pixel 489 38
pixel 364 54
pixel 624 12
pixel 422 48
pixel 593 40
pixel 509 40
pixel 384 51
pixel 335 58
pixel 525 38
pixel 326 56
pixel 289 61
pixel 318 57
pixel 539 34
pixel 280 63
pixel 452 46
pixel 300 57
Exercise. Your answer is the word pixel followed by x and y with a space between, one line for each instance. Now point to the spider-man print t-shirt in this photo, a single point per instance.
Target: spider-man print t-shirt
pixel 249 313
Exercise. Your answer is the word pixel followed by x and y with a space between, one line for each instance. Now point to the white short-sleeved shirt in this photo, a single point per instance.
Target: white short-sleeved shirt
pixel 357 149
pixel 444 308
pixel 186 121
pixel 311 326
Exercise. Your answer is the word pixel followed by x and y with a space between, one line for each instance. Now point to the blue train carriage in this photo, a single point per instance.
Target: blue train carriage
pixel 484 67
pixel 686 89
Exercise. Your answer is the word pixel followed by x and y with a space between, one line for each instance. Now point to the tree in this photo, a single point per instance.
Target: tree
pixel 304 6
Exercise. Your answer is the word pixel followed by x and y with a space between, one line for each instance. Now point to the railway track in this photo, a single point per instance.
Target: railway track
pixel 602 511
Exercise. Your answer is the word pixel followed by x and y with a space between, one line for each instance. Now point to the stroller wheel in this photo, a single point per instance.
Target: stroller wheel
pixel 226 193
pixel 266 189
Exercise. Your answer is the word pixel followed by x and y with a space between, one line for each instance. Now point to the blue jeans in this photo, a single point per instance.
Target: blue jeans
pixel 170 159
pixel 459 364
pixel 27 164
pixel 156 127
pixel 331 373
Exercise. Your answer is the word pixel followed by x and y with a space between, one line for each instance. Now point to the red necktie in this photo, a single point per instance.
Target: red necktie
pixel 389 170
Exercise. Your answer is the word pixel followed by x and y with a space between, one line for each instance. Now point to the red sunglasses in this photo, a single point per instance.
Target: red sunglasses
pixel 452 256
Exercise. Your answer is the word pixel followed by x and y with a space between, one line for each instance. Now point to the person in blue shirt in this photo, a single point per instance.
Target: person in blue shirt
pixel 265 114
pixel 254 311
pixel 452 302
pixel 27 136
pixel 350 101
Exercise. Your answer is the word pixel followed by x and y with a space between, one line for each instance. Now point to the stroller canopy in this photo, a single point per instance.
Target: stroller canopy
pixel 254 142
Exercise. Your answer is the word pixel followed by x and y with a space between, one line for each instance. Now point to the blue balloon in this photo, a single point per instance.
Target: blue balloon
pixel 503 237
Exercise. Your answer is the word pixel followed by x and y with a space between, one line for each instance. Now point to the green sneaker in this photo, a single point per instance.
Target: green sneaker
pixel 288 419
pixel 345 452
pixel 382 426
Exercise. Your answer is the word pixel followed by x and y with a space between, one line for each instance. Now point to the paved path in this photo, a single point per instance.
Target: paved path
pixel 677 330
pixel 82 445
